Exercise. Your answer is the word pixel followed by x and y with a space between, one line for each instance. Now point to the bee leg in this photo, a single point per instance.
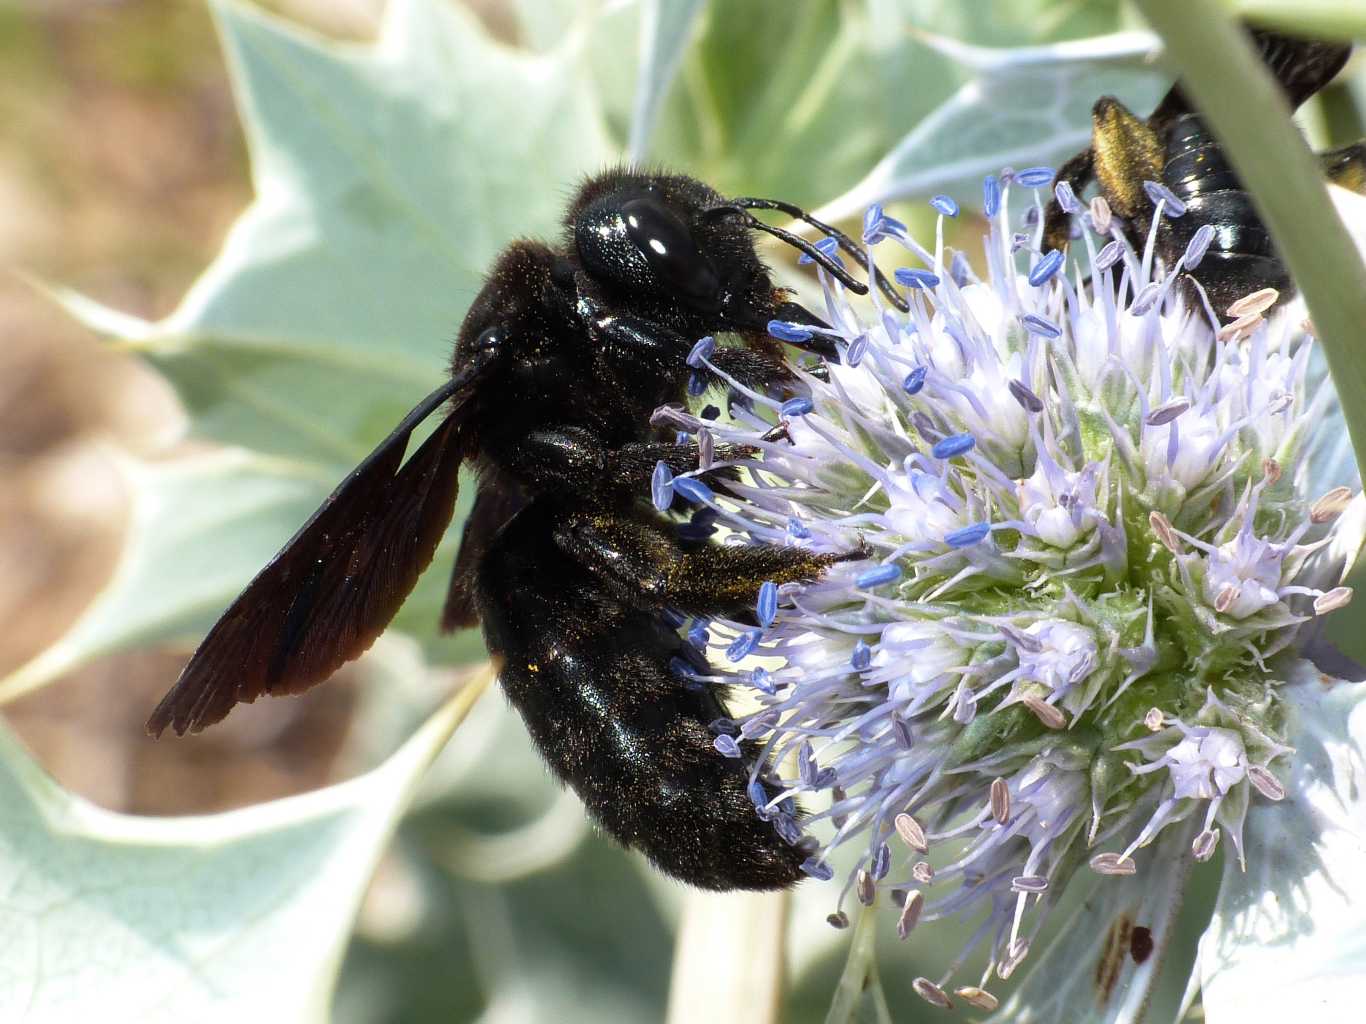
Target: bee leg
pixel 660 352
pixel 1057 222
pixel 640 346
pixel 592 679
pixel 644 564
pixel 574 458
pixel 1126 153
pixel 1346 166
pixel 760 367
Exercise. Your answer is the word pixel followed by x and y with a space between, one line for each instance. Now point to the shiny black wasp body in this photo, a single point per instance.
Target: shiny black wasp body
pixel 1175 148
pixel 558 366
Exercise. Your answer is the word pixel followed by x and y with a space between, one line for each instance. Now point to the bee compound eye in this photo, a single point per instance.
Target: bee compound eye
pixel 668 247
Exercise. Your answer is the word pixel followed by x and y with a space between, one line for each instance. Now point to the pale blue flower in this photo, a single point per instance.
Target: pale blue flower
pixel 1079 636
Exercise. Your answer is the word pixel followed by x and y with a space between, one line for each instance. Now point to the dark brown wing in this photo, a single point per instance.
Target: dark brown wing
pixel 333 588
pixel 494 506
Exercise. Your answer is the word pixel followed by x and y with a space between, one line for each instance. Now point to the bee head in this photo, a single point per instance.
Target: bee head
pixel 639 238
pixel 675 251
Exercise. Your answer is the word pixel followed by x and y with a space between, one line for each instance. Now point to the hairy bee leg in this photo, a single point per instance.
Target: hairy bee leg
pixel 652 348
pixel 1346 166
pixel 591 678
pixel 646 565
pixel 663 352
pixel 757 368
pixel 1126 153
pixel 574 458
pixel 632 465
pixel 1057 222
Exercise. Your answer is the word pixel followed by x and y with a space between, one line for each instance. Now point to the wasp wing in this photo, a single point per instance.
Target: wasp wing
pixel 335 585
pixel 1300 66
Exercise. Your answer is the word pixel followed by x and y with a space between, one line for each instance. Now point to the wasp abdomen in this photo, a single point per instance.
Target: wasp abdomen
pixel 1241 258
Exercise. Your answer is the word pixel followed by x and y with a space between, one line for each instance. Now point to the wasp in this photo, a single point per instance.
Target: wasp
pixel 578 581
pixel 1176 149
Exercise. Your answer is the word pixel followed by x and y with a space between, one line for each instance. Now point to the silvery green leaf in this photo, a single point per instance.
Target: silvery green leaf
pixel 580 942
pixel 226 917
pixel 1088 971
pixel 603 35
pixel 1335 464
pixel 1026 106
pixel 999 22
pixel 1332 462
pixel 1334 642
pixel 806 119
pixel 199 527
pixel 801 119
pixel 539 821
pixel 386 178
pixel 1289 934
pixel 665 32
pixel 542 25
pixel 196 528
pixel 1131 48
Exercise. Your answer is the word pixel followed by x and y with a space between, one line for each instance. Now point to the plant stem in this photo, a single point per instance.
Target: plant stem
pixel 858 997
pixel 729 958
pixel 1325 19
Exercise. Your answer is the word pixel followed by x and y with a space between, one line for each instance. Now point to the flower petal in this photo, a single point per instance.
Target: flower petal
pixel 1289 934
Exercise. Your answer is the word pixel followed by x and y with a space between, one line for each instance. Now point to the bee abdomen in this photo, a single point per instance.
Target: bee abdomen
pixel 594 684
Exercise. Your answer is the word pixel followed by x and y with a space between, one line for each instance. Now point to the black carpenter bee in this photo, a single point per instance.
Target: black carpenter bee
pixel 1175 148
pixel 575 577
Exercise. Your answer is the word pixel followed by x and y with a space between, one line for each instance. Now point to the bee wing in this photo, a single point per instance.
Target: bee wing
pixel 335 585
pixel 494 506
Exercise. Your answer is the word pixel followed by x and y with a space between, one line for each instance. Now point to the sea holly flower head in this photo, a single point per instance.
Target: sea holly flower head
pixel 1082 554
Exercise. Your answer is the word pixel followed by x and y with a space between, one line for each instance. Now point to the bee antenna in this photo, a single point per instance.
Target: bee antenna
pixel 829 263
pixel 841 239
